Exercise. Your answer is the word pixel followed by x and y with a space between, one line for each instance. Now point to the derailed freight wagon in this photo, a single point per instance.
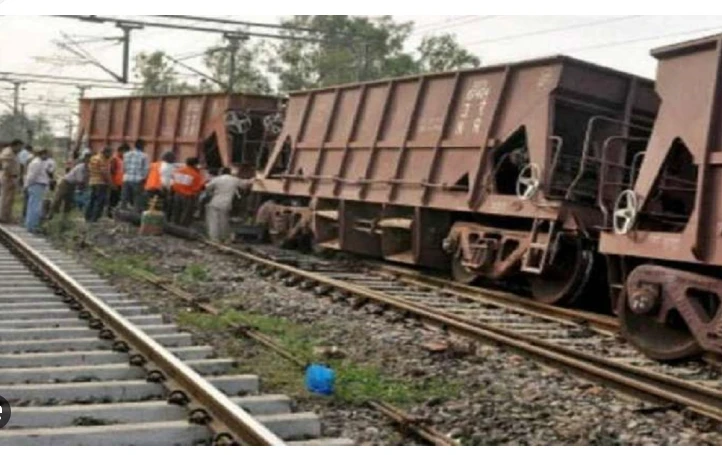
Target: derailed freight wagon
pixel 666 247
pixel 492 172
pixel 221 129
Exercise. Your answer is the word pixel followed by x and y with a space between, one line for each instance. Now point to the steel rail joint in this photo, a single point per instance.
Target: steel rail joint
pixel 244 428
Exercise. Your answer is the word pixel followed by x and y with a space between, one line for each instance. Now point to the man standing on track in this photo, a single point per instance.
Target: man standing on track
pixel 99 181
pixel 222 190
pixel 10 169
pixel 187 185
pixel 135 170
pixel 25 156
pixel 37 181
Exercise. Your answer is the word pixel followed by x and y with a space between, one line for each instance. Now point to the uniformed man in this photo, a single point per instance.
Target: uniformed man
pixel 9 175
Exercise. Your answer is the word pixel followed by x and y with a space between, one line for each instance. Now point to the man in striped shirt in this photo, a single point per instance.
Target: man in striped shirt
pixel 135 170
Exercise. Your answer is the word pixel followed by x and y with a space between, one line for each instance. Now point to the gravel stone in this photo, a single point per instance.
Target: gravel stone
pixel 503 398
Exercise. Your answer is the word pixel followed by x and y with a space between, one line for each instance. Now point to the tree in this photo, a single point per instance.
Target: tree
pixel 20 126
pixel 158 75
pixel 444 53
pixel 346 49
pixel 248 77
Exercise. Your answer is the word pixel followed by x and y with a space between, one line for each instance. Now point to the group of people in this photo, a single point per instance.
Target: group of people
pixel 33 172
pixel 123 179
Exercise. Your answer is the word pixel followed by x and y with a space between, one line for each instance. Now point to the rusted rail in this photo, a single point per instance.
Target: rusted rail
pixel 228 419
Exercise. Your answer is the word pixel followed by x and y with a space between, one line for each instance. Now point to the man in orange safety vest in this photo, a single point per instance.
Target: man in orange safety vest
pixel 187 184
pixel 158 183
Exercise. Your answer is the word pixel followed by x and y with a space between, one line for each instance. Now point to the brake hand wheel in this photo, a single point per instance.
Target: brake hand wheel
pixel 626 209
pixel 273 123
pixel 528 182
pixel 238 123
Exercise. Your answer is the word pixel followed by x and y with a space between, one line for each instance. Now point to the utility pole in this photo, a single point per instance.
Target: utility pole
pixel 16 96
pixel 127 28
pixel 233 46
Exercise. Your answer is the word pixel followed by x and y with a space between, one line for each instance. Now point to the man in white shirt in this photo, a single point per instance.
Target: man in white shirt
pixel 222 190
pixel 36 184
pixel 77 178
pixel 24 157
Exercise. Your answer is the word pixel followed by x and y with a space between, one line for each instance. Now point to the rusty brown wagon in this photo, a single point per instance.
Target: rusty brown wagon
pixel 493 172
pixel 221 129
pixel 665 230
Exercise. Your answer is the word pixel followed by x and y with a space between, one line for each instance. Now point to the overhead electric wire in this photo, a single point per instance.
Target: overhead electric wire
pixel 717 28
pixel 79 80
pixel 468 21
pixel 447 21
pixel 102 19
pixel 243 23
pixel 550 30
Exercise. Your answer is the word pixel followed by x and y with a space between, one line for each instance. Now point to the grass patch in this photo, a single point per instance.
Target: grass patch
pixel 64 230
pixel 194 273
pixel 124 265
pixel 356 382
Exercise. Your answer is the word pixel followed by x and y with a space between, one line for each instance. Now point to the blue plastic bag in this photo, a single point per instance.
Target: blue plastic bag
pixel 320 379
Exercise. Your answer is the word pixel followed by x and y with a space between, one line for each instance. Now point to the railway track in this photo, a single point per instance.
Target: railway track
pixel 583 343
pixel 83 364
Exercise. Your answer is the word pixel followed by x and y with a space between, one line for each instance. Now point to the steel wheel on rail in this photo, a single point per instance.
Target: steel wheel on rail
pixel 658 333
pixel 564 280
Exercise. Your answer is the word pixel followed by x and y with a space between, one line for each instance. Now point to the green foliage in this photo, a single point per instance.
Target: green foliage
pixel 361 383
pixel 123 265
pixel 356 382
pixel 194 273
pixel 338 49
pixel 158 75
pixel 349 48
pixel 36 130
pixel 444 53
pixel 249 76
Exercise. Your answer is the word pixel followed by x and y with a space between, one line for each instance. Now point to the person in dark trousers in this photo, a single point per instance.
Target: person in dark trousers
pixel 116 178
pixel 187 185
pixel 64 198
pixel 135 170
pixel 9 174
pixel 99 182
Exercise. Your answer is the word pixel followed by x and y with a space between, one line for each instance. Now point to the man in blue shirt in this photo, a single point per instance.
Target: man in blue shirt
pixel 135 170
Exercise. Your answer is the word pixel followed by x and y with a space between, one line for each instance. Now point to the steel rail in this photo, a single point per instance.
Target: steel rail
pixel 406 421
pixel 700 399
pixel 238 424
pixel 604 323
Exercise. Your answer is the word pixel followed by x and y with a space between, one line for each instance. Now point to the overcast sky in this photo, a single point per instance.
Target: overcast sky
pixel 621 42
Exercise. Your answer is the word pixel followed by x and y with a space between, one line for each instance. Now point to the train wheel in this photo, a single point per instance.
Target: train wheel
pixel 669 340
pixel 462 274
pixel 565 279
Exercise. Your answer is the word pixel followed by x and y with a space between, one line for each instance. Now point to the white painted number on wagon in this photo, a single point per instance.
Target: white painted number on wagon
pixel 473 108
